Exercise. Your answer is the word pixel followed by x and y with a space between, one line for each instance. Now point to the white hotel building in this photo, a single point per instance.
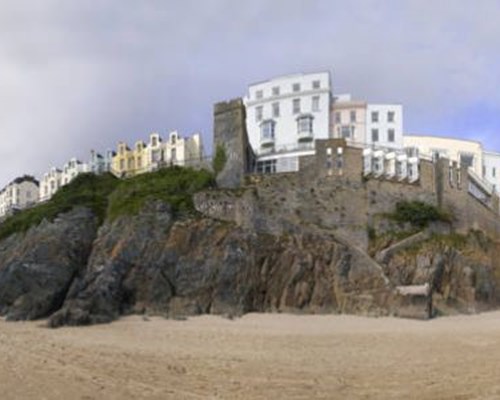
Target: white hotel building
pixel 284 116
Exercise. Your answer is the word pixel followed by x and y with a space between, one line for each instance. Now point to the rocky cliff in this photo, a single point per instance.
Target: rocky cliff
pixel 159 262
pixel 151 263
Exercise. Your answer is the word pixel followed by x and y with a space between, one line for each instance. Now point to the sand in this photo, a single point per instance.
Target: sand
pixel 255 357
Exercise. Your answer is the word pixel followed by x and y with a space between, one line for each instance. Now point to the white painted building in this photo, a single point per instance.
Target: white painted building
pixel 384 125
pixel 185 151
pixel 50 184
pixel 98 163
pixel 285 115
pixel 72 169
pixel 468 153
pixel 491 169
pixel 377 125
pixel 19 194
pixel 177 150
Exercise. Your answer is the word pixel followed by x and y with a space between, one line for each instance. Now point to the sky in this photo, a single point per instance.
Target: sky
pixel 80 75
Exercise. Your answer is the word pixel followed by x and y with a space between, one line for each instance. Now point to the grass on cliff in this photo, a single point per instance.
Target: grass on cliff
pixel 86 190
pixel 108 197
pixel 174 185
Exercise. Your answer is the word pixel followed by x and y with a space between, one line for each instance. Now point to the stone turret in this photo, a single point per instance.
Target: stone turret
pixel 230 132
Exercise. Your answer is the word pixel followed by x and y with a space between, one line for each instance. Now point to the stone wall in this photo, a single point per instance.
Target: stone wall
pixel 330 190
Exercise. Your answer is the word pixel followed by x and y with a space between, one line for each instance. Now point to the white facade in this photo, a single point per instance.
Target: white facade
pixel 19 194
pixel 50 184
pixel 491 169
pixel 467 153
pixel 384 125
pixel 288 113
pixel 99 164
pixel 72 169
pixel 178 150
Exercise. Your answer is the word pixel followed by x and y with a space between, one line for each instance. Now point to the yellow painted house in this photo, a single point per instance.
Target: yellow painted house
pixel 156 154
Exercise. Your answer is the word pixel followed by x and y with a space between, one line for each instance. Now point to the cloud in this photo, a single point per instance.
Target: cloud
pixel 80 75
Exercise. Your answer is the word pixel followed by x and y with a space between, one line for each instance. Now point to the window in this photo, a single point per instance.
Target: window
pixel 156 155
pixel 391 135
pixel 296 87
pixel 345 131
pixel 173 138
pixel 374 135
pixel 122 165
pixel 296 106
pixel 305 124
pixel 466 160
pixel 315 103
pixel 374 116
pixel 139 162
pixel 352 116
pixel 494 172
pixel 153 141
pixel 258 113
pixel 131 163
pixel 316 84
pixel 266 167
pixel 390 116
pixel 259 94
pixel 338 118
pixel 276 110
pixel 276 91
pixel 267 130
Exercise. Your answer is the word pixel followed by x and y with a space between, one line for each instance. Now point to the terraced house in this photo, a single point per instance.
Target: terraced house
pixel 156 153
pixel 19 194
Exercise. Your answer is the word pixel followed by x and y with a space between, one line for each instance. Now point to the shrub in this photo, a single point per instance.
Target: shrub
pixel 220 159
pixel 418 213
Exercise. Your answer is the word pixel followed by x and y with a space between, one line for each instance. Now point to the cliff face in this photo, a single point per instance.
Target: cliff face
pixel 153 263
pixel 149 263
pixel 37 268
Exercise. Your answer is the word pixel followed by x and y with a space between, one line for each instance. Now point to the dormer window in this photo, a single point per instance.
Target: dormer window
pixel 173 138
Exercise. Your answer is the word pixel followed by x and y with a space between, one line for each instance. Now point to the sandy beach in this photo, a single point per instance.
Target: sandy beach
pixel 255 357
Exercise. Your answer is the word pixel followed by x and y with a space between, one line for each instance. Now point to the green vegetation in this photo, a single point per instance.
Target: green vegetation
pixel 85 190
pixel 174 185
pixel 109 197
pixel 220 159
pixel 418 214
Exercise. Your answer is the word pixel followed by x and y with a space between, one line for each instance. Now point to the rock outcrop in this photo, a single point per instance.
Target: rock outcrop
pixel 149 263
pixel 37 267
pixel 155 262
